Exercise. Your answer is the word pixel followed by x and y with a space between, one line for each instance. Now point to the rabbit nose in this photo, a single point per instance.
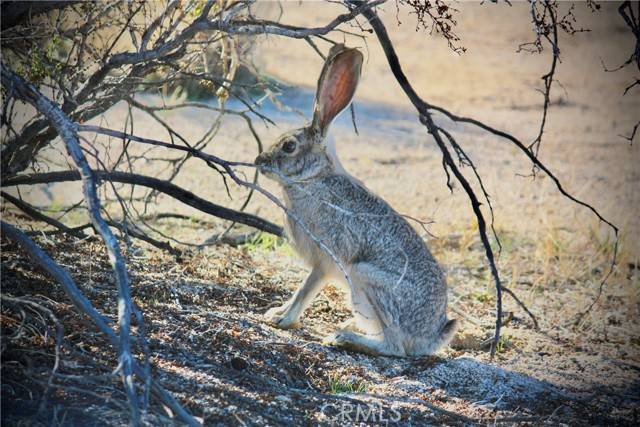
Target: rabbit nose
pixel 262 159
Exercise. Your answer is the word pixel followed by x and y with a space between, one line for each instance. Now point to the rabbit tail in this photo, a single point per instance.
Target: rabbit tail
pixel 431 345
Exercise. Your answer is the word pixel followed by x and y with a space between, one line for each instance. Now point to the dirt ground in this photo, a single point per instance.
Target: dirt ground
pixel 211 349
pixel 208 343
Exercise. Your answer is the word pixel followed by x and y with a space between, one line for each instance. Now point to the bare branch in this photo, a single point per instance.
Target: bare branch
pixel 482 227
pixel 253 27
pixel 66 130
pixel 541 29
pixel 632 135
pixel 85 306
pixel 127 229
pixel 172 190
pixel 523 306
pixel 37 215
pixel 425 118
pixel 59 274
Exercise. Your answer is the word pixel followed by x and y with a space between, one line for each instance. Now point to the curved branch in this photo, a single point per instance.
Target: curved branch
pixel 482 225
pixel 253 27
pixel 426 119
pixel 165 187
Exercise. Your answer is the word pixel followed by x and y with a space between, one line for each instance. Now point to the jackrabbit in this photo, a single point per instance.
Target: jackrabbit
pixel 398 292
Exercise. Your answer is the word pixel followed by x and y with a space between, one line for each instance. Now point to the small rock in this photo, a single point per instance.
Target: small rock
pixel 239 363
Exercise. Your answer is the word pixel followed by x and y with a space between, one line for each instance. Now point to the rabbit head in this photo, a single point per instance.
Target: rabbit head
pixel 302 154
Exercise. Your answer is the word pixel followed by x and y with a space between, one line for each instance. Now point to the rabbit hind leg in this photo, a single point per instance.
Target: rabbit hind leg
pixel 367 332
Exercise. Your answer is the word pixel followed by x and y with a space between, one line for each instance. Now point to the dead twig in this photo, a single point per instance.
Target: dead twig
pixel 172 190
pixel 83 305
pixel 58 341
pixel 66 130
pixel 38 216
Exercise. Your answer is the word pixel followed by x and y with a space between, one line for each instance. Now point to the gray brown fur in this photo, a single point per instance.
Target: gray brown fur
pixel 398 292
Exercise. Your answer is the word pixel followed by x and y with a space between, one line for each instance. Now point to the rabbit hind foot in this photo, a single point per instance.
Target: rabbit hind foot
pixel 362 343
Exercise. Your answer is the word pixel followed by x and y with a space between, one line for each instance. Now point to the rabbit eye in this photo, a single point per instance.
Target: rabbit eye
pixel 289 146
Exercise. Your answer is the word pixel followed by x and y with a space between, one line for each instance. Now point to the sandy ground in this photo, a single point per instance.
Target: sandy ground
pixel 555 252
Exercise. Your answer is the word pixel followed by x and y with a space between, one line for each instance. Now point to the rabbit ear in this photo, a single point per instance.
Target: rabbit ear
pixel 336 85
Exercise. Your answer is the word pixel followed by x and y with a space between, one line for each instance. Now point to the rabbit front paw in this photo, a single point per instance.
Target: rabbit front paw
pixel 281 318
